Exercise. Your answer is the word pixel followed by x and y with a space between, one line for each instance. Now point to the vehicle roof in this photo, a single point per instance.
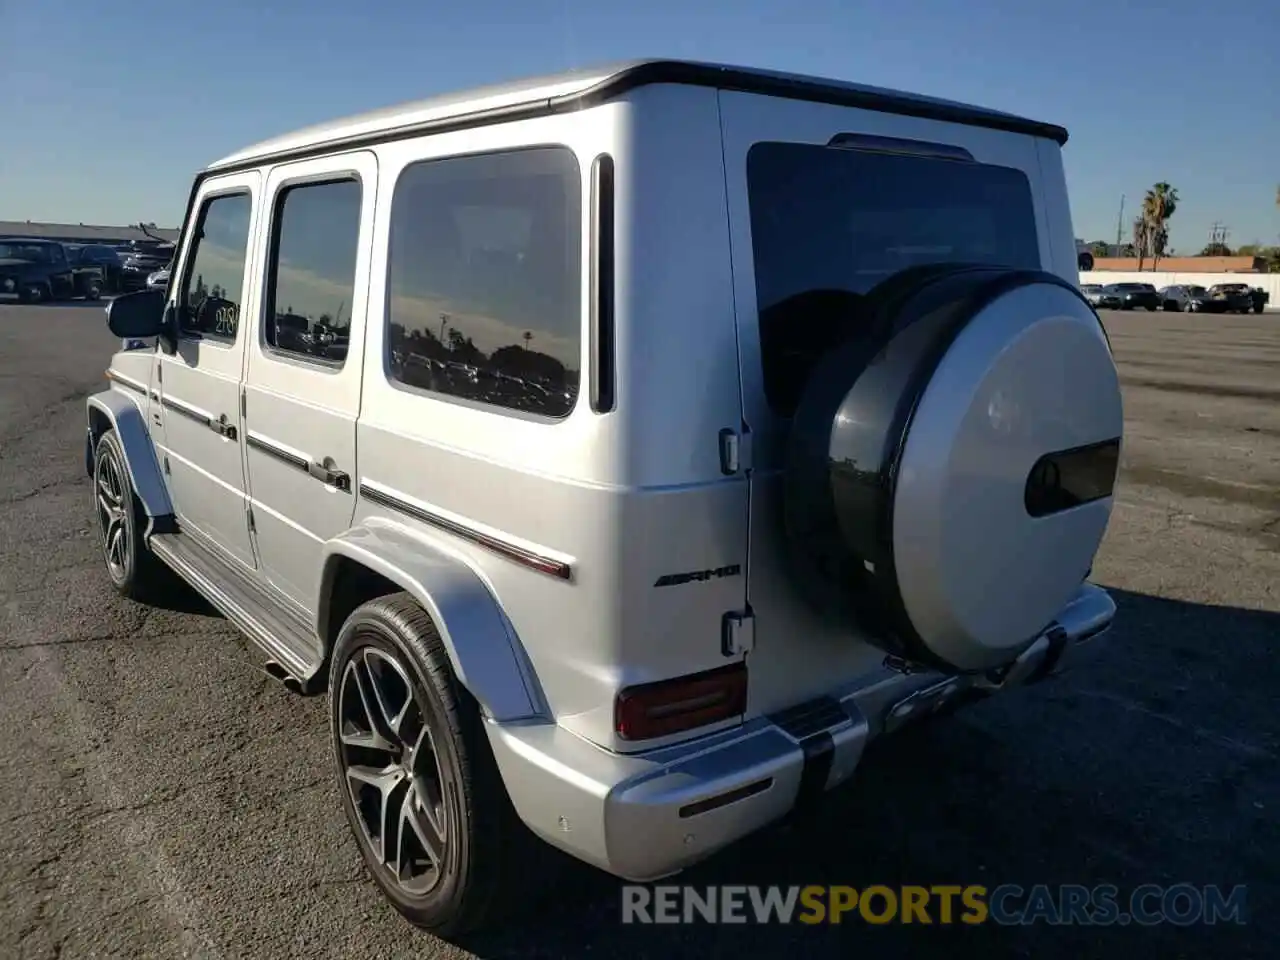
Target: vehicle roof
pixel 577 89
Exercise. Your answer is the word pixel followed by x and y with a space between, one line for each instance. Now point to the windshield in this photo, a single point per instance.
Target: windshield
pixel 34 252
pixel 1196 291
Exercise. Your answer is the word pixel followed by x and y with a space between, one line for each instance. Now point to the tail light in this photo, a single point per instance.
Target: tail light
pixel 659 709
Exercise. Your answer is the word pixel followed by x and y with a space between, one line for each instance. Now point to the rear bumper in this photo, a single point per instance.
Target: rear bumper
pixel 642 817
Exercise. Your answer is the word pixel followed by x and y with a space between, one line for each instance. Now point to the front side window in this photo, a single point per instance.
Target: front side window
pixel 828 224
pixel 209 304
pixel 311 286
pixel 485 279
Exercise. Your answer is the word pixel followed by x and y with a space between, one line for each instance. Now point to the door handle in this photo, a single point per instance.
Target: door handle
pixel 327 475
pixel 223 428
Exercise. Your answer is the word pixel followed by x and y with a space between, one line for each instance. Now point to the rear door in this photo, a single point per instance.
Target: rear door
pixel 805 214
pixel 302 389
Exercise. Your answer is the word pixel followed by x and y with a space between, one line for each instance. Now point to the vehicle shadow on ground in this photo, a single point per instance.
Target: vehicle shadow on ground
pixel 178 597
pixel 1152 761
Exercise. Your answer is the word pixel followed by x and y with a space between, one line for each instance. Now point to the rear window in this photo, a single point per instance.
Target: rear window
pixel 485 279
pixel 828 224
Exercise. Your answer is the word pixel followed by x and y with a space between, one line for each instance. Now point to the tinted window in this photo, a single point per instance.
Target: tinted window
pixel 828 224
pixel 32 252
pixel 313 270
pixel 209 304
pixel 485 279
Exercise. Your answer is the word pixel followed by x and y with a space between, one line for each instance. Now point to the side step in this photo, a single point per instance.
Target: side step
pixel 290 644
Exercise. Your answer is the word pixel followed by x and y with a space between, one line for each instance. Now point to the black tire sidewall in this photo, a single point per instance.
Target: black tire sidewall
pixel 373 626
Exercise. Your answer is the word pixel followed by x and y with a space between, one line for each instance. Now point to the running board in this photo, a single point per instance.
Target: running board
pixel 295 657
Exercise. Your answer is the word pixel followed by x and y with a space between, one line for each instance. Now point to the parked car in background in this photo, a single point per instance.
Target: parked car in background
pixel 143 260
pixel 1100 296
pixel 1192 298
pixel 99 255
pixel 1240 297
pixel 158 280
pixel 1133 296
pixel 35 271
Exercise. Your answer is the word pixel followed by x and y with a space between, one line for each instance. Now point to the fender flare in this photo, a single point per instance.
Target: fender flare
pixel 115 410
pixel 486 655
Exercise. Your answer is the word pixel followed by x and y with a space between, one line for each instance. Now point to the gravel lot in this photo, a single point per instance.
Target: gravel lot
pixel 163 797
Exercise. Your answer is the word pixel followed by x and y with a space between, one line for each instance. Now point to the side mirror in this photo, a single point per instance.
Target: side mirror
pixel 140 314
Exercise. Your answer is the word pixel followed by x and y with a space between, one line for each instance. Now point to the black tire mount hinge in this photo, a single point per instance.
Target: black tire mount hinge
pixel 735 450
pixel 737 632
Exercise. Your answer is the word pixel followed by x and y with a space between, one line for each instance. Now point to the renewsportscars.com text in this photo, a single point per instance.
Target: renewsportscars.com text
pixel 1182 904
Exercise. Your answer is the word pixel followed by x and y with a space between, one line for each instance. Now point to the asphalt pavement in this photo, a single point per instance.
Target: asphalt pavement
pixel 163 797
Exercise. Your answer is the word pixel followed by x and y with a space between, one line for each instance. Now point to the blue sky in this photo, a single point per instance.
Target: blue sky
pixel 109 109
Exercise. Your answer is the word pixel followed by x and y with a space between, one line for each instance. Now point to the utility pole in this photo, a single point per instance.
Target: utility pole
pixel 1120 225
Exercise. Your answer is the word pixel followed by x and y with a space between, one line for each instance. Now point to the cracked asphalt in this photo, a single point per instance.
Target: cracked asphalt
pixel 163 797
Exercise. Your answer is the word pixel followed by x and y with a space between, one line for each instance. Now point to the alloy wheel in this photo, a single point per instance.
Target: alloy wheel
pixel 113 515
pixel 391 769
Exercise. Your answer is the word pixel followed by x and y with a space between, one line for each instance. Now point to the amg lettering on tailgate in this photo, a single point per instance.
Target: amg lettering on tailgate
pixel 675 579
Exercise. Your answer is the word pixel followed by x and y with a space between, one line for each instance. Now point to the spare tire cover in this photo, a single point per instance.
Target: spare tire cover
pixel 951 464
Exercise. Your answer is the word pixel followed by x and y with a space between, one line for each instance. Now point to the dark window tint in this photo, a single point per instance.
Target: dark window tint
pixel 828 224
pixel 485 279
pixel 210 300
pixel 313 270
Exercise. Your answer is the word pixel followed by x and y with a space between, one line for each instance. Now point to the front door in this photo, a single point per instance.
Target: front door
pixel 302 391
pixel 201 434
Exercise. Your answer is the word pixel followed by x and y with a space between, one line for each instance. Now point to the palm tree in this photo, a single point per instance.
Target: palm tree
pixel 1141 239
pixel 1158 206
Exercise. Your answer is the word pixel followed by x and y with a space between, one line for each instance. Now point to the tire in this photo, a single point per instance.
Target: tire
pixel 1151 309
pixel 391 643
pixel 93 292
pixel 134 570
pixel 33 293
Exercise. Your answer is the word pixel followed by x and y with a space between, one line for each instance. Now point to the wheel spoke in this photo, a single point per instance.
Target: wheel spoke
pixel 378 738
pixel 422 821
pixel 364 740
pixel 388 782
pixel 381 779
pixel 115 547
pixel 391 716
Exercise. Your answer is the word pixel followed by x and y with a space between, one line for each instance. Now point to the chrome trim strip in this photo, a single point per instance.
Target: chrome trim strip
pixel 187 410
pixel 271 448
pixel 127 382
pixel 521 555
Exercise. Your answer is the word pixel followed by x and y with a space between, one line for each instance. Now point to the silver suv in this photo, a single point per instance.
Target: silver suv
pixel 620 451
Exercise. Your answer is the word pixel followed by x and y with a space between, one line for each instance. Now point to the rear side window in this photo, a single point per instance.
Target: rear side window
pixel 313 270
pixel 828 224
pixel 485 298
pixel 209 304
